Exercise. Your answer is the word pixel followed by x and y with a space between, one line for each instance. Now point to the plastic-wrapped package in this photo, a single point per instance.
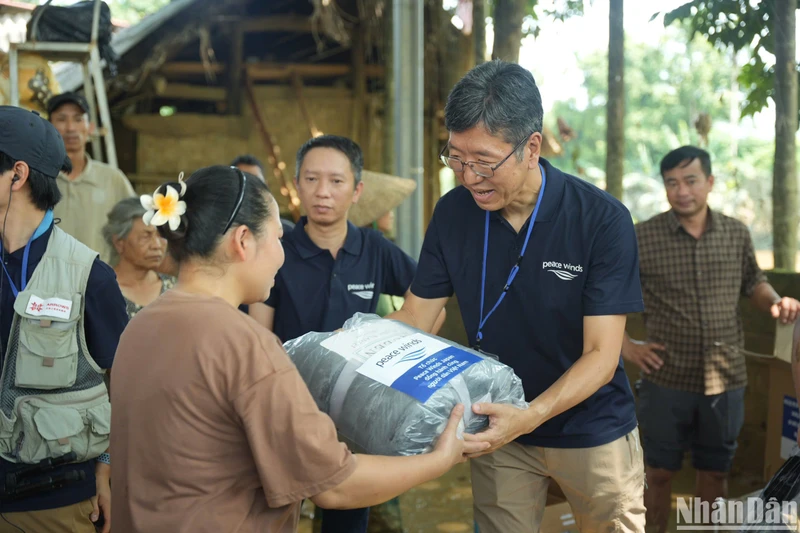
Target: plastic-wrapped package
pixel 776 508
pixel 73 24
pixel 390 388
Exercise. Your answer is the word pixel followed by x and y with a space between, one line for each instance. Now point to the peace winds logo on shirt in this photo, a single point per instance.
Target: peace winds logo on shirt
pixel 363 291
pixel 564 271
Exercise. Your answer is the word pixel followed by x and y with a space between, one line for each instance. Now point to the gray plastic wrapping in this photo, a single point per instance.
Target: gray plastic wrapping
pixel 776 507
pixel 375 416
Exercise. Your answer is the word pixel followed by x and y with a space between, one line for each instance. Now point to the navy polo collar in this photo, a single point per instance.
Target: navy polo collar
pixel 307 249
pixel 552 193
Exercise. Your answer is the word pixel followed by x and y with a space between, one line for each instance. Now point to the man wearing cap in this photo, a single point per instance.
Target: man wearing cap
pixel 61 315
pixel 92 188
pixel 333 269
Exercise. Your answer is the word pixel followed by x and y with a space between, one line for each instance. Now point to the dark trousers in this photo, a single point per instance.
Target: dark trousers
pixel 673 421
pixel 349 521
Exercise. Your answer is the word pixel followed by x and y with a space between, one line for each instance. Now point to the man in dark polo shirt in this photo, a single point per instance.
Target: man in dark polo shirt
pixel 695 266
pixel 333 269
pixel 31 155
pixel 545 268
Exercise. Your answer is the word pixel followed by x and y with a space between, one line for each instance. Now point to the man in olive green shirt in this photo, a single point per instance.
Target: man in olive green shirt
pixel 92 188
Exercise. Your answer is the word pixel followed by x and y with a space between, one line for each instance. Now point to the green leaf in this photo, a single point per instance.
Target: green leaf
pixel 736 25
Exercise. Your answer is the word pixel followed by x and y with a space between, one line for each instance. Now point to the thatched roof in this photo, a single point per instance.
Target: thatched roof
pixel 70 75
pixel 192 38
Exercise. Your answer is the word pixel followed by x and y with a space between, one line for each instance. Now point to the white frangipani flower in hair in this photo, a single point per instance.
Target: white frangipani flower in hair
pixel 165 208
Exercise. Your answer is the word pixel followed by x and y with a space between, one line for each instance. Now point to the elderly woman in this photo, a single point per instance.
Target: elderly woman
pixel 137 252
pixel 140 259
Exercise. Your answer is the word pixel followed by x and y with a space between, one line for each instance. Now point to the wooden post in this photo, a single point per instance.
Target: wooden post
pixel 297 85
pixel 273 151
pixel 234 99
pixel 388 101
pixel 359 84
pixel 479 30
pixel 371 134
pixel 432 188
pixel 271 71
pixel 431 176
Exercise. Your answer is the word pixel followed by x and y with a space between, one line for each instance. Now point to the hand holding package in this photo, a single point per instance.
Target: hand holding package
pixel 390 388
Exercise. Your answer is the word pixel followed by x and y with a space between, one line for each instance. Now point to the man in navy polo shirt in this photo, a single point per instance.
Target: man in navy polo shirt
pixel 545 267
pixel 31 156
pixel 333 269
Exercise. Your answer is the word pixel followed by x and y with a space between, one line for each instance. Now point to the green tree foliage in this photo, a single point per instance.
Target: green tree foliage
pixel 761 26
pixel 514 19
pixel 667 87
pixel 537 15
pixel 739 25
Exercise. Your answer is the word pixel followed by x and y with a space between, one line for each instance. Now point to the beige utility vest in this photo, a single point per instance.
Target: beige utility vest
pixel 53 399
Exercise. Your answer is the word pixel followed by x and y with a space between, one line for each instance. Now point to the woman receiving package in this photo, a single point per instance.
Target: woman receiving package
pixel 212 427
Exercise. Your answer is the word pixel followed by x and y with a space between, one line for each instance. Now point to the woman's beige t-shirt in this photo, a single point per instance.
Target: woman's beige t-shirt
pixel 212 428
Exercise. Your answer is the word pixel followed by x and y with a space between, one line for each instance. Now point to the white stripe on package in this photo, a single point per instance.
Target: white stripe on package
pixel 387 352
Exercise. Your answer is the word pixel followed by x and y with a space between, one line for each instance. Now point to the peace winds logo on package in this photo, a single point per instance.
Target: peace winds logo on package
pixel 564 271
pixel 416 355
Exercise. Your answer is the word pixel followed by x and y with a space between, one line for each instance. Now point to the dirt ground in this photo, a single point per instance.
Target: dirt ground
pixel 445 505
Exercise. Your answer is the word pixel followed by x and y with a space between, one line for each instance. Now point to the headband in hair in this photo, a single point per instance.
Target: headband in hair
pixel 165 208
pixel 238 205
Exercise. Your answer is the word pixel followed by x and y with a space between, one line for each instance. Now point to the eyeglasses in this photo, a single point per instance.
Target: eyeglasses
pixel 483 170
pixel 242 183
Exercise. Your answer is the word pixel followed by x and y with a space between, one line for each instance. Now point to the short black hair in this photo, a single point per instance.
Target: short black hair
pixel 247 159
pixel 348 147
pixel 500 96
pixel 683 156
pixel 45 193
pixel 211 197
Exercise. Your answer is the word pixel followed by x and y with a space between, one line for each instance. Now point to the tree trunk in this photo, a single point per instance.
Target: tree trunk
pixel 456 57
pixel 434 15
pixel 784 180
pixel 479 30
pixel 508 15
pixel 615 127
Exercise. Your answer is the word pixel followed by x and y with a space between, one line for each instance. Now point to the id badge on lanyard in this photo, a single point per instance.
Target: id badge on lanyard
pixel 514 269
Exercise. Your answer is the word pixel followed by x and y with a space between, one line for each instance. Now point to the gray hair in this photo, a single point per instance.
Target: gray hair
pixel 120 223
pixel 500 96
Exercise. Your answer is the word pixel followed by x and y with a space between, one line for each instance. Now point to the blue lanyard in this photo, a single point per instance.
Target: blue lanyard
pixel 43 227
pixel 514 269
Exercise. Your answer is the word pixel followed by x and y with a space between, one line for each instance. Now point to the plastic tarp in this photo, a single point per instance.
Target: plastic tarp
pixel 390 388
pixel 73 24
pixel 775 509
